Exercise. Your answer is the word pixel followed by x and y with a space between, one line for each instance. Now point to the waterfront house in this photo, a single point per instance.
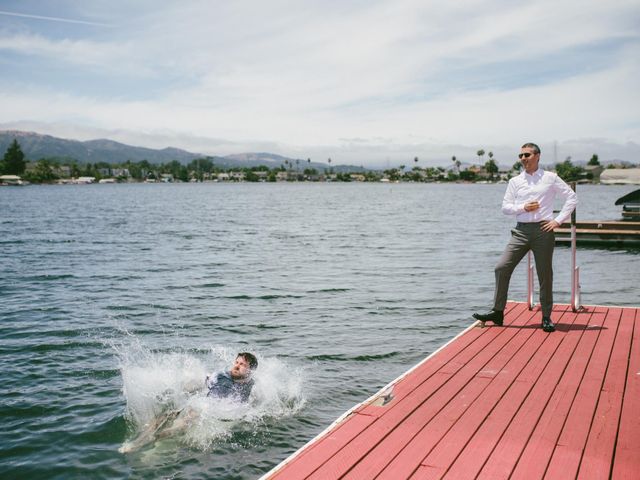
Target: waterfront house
pixel 620 176
pixel 282 176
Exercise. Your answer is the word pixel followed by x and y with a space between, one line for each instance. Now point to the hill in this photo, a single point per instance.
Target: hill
pixel 36 146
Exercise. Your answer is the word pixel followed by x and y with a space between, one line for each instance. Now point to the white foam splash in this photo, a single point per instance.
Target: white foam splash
pixel 157 382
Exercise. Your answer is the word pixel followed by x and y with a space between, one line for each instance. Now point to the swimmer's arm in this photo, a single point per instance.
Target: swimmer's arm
pixel 192 386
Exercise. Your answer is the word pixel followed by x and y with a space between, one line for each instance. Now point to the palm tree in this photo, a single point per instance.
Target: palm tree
pixel 456 163
pixel 480 154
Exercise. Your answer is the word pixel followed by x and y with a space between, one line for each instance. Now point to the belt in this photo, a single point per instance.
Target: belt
pixel 525 224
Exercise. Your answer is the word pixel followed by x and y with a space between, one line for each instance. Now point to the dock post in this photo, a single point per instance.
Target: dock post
pixel 530 282
pixel 575 270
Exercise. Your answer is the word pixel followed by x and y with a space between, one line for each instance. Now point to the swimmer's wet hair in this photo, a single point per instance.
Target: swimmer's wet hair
pixel 250 358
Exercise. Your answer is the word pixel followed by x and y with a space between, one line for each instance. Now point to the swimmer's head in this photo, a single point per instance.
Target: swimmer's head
pixel 244 365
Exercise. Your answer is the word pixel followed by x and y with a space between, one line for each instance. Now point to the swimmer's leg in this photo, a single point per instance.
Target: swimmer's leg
pixel 150 433
pixel 180 424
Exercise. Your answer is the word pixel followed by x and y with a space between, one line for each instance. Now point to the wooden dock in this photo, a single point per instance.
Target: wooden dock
pixel 600 233
pixel 499 402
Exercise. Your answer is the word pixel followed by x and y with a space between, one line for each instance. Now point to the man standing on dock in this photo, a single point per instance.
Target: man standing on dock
pixel 530 198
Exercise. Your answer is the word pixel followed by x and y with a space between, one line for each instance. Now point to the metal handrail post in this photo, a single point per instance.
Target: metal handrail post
pixel 530 281
pixel 575 270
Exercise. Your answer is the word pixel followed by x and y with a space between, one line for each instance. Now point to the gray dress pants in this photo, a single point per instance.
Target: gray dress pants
pixel 525 237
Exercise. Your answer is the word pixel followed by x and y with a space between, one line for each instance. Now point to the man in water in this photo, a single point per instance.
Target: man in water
pixel 235 383
pixel 530 197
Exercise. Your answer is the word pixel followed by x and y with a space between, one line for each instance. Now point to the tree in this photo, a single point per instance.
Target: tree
pixel 42 172
pixel 594 160
pixel 517 167
pixel 14 163
pixel 480 154
pixel 567 171
pixel 251 176
pixel 456 163
pixel 467 175
pixel 392 174
pixel 491 167
pixel 199 165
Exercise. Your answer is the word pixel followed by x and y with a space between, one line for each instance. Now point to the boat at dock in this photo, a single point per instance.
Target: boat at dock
pixel 498 402
pixel 630 205
pixel 12 180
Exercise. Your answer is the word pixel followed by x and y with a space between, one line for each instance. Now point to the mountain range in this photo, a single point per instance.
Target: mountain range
pixel 36 146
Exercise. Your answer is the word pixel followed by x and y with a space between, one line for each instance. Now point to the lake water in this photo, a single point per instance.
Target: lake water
pixel 113 298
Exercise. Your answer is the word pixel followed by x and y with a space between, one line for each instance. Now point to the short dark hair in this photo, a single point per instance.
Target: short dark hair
pixel 250 358
pixel 535 147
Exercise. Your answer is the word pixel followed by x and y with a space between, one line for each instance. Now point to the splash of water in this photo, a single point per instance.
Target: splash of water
pixel 156 383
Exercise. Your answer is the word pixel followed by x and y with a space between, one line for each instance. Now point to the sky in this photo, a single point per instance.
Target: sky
pixel 364 82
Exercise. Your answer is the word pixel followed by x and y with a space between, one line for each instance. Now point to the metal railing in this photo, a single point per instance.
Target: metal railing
pixel 530 281
pixel 576 305
pixel 575 269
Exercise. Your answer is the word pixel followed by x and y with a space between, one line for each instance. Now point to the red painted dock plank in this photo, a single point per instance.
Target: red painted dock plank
pixel 440 446
pixel 440 460
pixel 511 402
pixel 566 457
pixel 430 402
pixel 552 355
pixel 317 453
pixel 535 458
pixel 625 463
pixel 506 453
pixel 598 454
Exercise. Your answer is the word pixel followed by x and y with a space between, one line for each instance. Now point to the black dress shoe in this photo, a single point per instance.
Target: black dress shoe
pixel 494 316
pixel 547 325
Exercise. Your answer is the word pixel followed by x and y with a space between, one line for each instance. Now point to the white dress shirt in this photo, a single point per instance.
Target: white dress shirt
pixel 542 187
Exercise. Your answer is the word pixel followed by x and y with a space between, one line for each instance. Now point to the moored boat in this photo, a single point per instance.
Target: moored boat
pixel 630 205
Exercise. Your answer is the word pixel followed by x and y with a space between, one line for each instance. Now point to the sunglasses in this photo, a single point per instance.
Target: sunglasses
pixel 525 155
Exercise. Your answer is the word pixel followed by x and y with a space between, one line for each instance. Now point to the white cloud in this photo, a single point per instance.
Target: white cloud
pixel 304 75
